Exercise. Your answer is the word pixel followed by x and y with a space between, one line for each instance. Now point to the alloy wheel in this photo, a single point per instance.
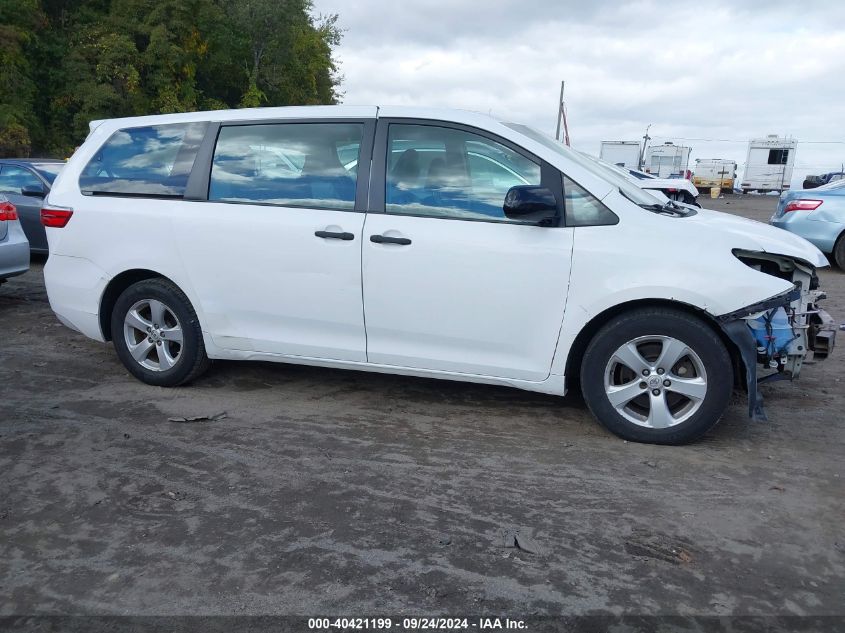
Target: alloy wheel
pixel 655 381
pixel 153 335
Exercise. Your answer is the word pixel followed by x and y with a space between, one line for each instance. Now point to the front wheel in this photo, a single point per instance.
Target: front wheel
pixel 657 375
pixel 157 334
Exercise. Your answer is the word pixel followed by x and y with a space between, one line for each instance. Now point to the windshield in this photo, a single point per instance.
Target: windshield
pixel 49 170
pixel 605 172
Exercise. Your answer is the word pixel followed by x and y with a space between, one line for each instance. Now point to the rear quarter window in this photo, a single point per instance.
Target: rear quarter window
pixel 154 160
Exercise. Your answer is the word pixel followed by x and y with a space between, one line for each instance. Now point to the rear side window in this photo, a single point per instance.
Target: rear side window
pixel 144 161
pixel 312 165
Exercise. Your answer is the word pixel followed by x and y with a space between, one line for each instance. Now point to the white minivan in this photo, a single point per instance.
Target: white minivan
pixel 434 243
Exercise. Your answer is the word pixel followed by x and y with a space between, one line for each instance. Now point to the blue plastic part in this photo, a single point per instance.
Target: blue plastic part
pixel 772 332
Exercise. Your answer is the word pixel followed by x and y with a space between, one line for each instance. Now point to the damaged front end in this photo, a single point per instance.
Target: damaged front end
pixel 775 335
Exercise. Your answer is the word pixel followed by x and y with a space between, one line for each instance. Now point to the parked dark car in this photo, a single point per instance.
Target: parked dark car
pixel 25 182
pixel 811 182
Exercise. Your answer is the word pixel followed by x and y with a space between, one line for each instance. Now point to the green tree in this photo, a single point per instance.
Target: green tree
pixel 288 56
pixel 64 63
pixel 19 22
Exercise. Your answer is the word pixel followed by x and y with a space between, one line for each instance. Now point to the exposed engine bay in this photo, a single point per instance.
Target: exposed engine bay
pixel 777 334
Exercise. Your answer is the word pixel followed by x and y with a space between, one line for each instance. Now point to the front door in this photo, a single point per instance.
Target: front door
pixel 450 284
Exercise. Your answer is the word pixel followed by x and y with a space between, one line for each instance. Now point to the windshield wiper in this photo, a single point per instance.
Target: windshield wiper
pixel 669 208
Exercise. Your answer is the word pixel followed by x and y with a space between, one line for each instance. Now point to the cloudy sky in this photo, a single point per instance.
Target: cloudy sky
pixel 716 73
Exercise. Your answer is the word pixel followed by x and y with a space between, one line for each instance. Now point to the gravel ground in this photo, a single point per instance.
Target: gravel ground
pixel 341 492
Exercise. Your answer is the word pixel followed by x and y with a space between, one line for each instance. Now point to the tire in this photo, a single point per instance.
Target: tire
pixel 839 252
pixel 156 356
pixel 689 199
pixel 657 414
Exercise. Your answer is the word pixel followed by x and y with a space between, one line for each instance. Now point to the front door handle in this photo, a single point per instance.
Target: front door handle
pixel 334 235
pixel 386 239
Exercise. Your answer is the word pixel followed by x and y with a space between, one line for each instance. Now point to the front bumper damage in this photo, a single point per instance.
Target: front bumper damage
pixel 812 330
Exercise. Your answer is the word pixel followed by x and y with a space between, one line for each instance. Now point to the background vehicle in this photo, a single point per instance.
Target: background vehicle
pixel 811 182
pixel 817 215
pixel 768 166
pixel 667 160
pixel 25 182
pixel 14 248
pixel 455 246
pixel 621 153
pixel 714 172
pixel 677 189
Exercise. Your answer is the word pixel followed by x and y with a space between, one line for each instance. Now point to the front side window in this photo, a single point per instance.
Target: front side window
pixel 13 179
pixel 312 165
pixel 154 160
pixel 448 173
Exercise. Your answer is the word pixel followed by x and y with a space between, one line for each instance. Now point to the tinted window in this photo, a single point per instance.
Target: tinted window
pixel 295 164
pixel 778 156
pixel 583 208
pixel 443 172
pixel 14 178
pixel 154 160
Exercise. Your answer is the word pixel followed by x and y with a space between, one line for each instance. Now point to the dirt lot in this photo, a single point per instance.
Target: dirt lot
pixel 351 493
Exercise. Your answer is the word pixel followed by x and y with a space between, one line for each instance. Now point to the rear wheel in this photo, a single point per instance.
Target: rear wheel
pixel 839 252
pixel 657 375
pixel 157 335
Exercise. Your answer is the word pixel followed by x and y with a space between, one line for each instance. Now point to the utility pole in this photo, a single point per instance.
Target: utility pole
pixel 561 118
pixel 783 165
pixel 646 139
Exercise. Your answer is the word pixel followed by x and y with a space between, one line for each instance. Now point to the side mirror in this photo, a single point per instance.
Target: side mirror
pixel 33 191
pixel 530 203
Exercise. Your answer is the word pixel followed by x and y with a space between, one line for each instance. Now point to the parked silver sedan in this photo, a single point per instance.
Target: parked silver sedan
pixel 14 247
pixel 817 215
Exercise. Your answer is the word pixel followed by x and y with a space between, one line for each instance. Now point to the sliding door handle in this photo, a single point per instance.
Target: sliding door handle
pixel 334 235
pixel 386 239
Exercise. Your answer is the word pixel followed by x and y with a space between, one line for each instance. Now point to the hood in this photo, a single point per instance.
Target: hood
pixel 752 235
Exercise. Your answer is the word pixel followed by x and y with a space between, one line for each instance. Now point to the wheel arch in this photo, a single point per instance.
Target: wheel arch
pixel 588 332
pixel 115 288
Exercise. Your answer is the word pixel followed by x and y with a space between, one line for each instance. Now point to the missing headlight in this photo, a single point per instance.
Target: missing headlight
pixel 780 266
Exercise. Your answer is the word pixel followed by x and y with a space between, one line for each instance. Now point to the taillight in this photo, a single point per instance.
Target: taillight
pixel 8 211
pixel 802 205
pixel 55 218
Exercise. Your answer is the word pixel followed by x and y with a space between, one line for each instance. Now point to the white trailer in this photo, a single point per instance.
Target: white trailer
pixel 714 172
pixel 667 160
pixel 621 153
pixel 769 164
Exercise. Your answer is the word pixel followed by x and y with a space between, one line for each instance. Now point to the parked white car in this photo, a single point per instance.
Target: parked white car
pixel 677 189
pixel 433 243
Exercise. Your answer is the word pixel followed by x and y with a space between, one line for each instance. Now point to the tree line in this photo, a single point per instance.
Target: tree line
pixel 64 63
